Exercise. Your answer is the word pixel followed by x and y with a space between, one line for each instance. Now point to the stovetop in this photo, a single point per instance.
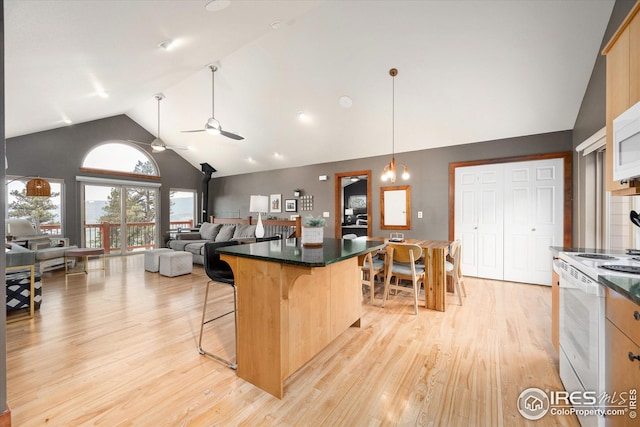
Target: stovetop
pixel 594 265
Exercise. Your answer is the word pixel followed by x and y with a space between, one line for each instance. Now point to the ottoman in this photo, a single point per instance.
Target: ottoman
pixel 152 259
pixel 175 263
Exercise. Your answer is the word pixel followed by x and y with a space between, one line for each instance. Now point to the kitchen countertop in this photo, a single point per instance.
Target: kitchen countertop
pixel 629 287
pixel 291 251
pixel 626 286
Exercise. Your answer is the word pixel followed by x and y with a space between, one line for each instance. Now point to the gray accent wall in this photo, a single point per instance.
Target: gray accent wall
pixel 429 181
pixel 59 154
pixel 591 118
pixel 3 260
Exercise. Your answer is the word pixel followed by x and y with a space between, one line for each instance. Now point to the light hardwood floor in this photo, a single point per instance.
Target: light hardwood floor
pixel 121 350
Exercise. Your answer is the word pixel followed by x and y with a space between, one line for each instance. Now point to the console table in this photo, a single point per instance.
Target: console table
pixel 292 302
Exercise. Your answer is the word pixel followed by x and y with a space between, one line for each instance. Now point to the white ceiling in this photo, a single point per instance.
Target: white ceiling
pixel 469 71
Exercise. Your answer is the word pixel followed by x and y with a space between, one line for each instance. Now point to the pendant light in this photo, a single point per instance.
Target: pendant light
pixel 389 171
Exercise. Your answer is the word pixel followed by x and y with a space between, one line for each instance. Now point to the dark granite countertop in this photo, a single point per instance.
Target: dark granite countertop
pixel 291 251
pixel 628 287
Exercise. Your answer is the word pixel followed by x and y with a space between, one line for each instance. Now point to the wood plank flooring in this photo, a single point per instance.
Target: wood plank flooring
pixel 120 349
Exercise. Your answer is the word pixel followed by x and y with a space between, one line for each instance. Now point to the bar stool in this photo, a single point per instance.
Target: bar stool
pixel 219 272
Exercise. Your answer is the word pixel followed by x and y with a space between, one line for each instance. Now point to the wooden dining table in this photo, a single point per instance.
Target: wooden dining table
pixel 435 284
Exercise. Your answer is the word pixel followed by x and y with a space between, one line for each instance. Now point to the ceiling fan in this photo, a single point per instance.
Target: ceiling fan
pixel 158 145
pixel 213 126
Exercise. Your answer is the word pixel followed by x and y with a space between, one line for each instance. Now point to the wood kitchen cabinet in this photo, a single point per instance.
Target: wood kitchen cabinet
pixel 623 345
pixel 623 88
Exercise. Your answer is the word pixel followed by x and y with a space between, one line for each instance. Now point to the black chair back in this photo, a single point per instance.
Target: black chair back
pixel 215 268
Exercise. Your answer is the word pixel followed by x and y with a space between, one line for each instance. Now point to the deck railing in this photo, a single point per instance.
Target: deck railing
pixel 140 235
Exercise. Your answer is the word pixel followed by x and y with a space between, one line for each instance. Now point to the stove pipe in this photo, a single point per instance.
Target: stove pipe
pixel 207 169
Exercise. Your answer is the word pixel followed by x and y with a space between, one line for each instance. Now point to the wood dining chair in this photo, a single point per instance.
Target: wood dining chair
pixel 401 264
pixel 453 269
pixel 372 267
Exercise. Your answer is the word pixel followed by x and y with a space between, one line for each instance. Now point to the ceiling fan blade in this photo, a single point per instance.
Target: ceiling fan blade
pixel 231 135
pixel 177 147
pixel 138 142
pixel 188 131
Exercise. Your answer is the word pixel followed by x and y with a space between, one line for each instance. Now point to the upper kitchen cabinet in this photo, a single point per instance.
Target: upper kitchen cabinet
pixel 623 88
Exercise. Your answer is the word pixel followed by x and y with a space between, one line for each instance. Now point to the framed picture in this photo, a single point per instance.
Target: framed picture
pixel 356 202
pixel 291 205
pixel 275 202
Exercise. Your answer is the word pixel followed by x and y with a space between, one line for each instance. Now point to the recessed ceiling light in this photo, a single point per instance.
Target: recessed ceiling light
pixel 302 115
pixel 345 102
pixel 166 45
pixel 217 5
pixel 276 154
pixel 66 121
pixel 102 94
pixel 276 24
pixel 250 159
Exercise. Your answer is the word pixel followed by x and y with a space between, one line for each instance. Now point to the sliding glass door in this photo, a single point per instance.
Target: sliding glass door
pixel 120 224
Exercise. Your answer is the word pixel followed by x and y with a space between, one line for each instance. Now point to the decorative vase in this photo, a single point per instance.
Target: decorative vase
pixel 312 236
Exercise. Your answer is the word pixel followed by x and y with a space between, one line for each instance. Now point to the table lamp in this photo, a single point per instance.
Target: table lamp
pixel 259 204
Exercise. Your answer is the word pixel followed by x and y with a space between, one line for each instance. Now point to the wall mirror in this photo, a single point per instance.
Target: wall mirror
pixel 395 208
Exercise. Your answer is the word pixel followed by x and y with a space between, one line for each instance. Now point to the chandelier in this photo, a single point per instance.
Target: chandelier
pixel 389 171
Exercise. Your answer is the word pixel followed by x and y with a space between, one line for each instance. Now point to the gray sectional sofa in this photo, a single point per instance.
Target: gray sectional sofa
pixel 219 233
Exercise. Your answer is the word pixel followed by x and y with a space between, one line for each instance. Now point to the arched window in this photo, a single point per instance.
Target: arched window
pixel 120 158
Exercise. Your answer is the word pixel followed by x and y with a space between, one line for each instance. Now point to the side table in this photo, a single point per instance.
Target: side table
pixel 84 253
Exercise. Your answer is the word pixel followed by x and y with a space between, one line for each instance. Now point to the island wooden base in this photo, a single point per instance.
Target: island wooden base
pixel 287 314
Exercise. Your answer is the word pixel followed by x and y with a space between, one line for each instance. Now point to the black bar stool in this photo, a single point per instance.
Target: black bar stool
pixel 219 272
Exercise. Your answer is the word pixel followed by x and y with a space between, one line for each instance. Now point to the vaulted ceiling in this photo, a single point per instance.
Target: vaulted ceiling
pixel 469 71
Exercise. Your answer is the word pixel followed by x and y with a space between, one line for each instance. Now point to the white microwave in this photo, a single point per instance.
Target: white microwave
pixel 626 144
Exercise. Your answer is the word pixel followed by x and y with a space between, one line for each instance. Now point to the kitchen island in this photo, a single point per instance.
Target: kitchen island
pixel 292 302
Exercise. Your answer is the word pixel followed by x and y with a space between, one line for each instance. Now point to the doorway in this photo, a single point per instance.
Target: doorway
pixel 352 203
pixel 119 224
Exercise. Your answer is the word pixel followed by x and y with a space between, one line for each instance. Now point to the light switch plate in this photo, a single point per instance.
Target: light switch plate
pixel 419 214
pixel 325 214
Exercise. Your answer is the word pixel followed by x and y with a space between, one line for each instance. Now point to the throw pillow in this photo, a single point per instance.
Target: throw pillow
pixel 244 231
pixel 226 233
pixel 209 231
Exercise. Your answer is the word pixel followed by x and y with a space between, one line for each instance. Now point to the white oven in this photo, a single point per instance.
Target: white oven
pixel 582 339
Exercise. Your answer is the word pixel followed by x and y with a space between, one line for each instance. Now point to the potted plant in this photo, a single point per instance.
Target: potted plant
pixel 297 192
pixel 313 231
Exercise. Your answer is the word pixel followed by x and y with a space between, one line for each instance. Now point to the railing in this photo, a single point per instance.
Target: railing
pixel 52 229
pixel 175 225
pixel 140 235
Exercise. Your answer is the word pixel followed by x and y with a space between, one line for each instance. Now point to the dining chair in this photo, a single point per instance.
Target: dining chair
pixel 453 269
pixel 401 264
pixel 371 268
pixel 220 273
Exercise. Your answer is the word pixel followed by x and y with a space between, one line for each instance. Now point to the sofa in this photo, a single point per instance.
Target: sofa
pixel 48 250
pixel 217 233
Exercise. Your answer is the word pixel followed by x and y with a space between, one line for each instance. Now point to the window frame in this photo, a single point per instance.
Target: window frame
pixel 13 178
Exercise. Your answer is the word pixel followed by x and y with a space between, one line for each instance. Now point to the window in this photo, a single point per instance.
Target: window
pixel 182 208
pixel 120 157
pixel 45 213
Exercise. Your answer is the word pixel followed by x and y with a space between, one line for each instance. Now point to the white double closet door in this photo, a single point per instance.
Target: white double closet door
pixel 507 215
